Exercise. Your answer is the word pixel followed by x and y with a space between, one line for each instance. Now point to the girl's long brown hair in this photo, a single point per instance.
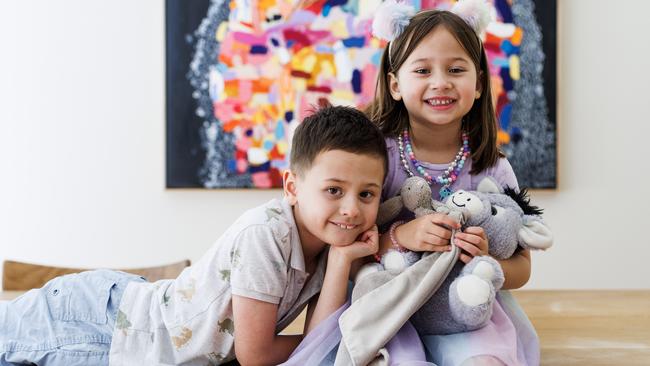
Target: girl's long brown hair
pixel 480 122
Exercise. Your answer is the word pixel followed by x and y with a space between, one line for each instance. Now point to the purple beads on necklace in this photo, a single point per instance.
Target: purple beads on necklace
pixel 448 177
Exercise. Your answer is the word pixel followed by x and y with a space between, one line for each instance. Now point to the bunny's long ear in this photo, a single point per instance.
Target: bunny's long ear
pixel 535 234
pixel 389 209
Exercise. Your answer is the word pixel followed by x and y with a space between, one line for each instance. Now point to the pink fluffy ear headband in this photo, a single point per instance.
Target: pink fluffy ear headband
pixel 393 16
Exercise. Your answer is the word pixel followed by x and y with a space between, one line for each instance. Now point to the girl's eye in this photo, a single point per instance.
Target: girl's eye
pixel 334 191
pixel 421 71
pixel 456 70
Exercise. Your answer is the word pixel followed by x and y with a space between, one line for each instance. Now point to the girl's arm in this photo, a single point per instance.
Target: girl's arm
pixel 516 269
pixel 255 340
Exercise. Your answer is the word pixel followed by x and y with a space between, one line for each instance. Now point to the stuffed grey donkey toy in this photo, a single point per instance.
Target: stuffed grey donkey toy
pixel 464 300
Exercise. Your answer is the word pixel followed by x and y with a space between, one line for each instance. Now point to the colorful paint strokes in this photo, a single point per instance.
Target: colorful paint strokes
pixel 276 61
pixel 259 67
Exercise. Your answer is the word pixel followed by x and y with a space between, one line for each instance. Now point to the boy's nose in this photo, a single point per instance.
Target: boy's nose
pixel 350 208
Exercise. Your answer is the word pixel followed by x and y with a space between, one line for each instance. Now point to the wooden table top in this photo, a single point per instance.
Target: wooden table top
pixel 590 327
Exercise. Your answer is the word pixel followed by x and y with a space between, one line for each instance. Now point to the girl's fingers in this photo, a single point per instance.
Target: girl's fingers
pixel 440 232
pixel 432 244
pixel 464 258
pixel 480 242
pixel 470 238
pixel 476 230
pixel 435 240
pixel 469 248
pixel 441 239
pixel 444 220
pixel 437 248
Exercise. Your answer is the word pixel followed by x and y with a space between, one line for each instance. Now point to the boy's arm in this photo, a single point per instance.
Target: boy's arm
pixel 255 340
pixel 516 269
pixel 354 268
pixel 340 259
pixel 333 294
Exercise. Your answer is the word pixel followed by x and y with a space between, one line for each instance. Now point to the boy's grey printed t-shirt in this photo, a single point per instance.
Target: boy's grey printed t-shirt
pixel 189 320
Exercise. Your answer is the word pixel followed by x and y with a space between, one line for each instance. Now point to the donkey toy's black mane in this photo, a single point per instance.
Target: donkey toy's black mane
pixel 523 200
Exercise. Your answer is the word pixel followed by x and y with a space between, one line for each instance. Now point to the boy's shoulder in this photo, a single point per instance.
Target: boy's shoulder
pixel 271 212
pixel 275 215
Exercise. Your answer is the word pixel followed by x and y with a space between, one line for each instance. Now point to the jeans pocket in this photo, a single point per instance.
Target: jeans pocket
pixel 80 297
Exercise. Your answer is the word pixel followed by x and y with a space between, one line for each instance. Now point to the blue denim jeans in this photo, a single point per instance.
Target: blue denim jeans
pixel 69 321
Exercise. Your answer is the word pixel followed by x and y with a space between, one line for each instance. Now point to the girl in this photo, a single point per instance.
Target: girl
pixel 433 103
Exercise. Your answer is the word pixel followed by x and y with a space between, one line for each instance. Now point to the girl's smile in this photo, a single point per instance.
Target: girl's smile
pixel 441 103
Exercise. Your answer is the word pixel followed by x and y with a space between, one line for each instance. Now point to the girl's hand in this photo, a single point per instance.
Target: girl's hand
pixel 366 244
pixel 429 233
pixel 473 242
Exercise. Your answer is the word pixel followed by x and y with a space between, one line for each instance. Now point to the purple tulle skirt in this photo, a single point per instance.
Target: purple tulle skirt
pixel 509 337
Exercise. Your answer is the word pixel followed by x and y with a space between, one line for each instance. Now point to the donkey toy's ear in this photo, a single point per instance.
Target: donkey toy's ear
pixel 535 234
pixel 489 185
pixel 389 209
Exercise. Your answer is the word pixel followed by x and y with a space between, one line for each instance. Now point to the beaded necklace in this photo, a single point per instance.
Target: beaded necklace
pixel 445 179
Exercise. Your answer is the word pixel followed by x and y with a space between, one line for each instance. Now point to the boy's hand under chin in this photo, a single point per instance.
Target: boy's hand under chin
pixel 366 244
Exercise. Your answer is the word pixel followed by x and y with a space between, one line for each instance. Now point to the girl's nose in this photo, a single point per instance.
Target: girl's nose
pixel 438 81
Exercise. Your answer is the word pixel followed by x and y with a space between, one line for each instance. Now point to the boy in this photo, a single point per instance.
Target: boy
pixel 250 285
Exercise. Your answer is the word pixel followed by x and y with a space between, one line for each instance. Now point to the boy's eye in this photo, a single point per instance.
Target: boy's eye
pixel 334 191
pixel 366 194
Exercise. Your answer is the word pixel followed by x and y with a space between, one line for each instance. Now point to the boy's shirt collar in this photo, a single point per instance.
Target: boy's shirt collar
pixel 297 260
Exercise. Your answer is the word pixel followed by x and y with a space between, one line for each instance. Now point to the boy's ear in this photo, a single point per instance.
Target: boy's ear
pixel 393 87
pixel 289 186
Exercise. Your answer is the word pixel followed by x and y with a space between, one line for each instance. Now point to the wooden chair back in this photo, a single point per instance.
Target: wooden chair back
pixel 21 276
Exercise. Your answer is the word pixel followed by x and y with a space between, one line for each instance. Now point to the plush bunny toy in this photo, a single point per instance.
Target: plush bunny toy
pixel 464 301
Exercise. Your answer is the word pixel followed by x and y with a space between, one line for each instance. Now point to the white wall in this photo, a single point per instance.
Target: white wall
pixel 82 144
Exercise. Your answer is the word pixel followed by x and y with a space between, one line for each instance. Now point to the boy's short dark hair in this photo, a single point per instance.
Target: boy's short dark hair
pixel 336 128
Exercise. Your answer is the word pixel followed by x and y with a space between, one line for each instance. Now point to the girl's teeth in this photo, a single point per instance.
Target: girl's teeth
pixel 440 102
pixel 346 227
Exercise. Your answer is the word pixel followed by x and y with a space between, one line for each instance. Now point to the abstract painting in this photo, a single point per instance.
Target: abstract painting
pixel 241 74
